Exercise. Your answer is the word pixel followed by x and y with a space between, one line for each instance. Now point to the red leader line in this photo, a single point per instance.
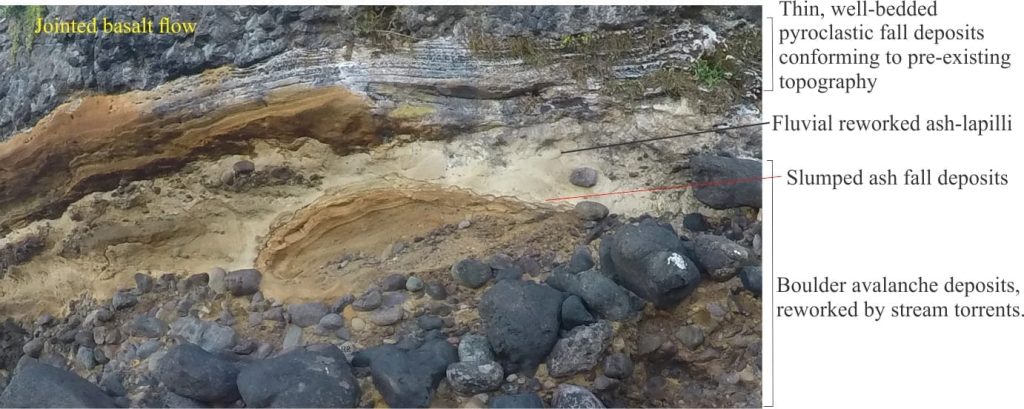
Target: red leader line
pixel 663 188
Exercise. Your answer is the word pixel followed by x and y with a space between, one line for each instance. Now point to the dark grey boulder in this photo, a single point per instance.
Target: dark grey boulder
pixel 33 348
pixel 573 396
pixel 12 340
pixel 429 322
pixel 243 167
pixel 144 283
pixel 574 313
pixel 720 258
pixel 197 280
pixel 500 261
pixel 580 261
pixel 147 348
pixel 470 378
pixel 243 282
pixel 170 399
pixel 726 183
pixel 695 222
pixel 751 278
pixel 618 366
pixel 300 379
pixel 475 348
pixel 369 301
pixel 387 315
pixel 342 302
pixel 580 350
pixel 407 374
pixel 85 357
pixel 436 290
pixel 471 273
pixel 591 211
pixel 208 335
pixel 691 336
pixel 648 259
pixel 190 371
pixel 123 300
pixel 513 272
pixel 521 320
pixel 601 295
pixel 394 282
pixel 583 177
pixel 113 384
pixel 523 400
pixel 307 314
pixel 38 385
pixel 332 322
pixel 144 326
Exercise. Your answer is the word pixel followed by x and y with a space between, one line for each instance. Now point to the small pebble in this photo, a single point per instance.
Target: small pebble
pixel 414 284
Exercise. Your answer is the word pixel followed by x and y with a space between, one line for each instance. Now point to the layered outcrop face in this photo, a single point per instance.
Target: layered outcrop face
pixel 294 176
pixel 478 98
pixel 95 143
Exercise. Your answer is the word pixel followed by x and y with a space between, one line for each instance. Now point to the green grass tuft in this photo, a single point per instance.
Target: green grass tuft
pixel 708 71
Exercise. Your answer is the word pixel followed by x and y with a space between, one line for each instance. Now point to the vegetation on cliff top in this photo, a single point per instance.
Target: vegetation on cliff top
pixel 20 20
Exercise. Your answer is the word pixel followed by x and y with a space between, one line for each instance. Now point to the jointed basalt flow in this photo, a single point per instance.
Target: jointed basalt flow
pixel 510 329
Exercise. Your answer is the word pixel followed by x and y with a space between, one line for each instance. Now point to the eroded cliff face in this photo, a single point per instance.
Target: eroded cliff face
pixel 483 99
pixel 331 146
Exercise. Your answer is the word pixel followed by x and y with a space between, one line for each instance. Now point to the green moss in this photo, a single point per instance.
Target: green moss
pixel 408 111
pixel 20 23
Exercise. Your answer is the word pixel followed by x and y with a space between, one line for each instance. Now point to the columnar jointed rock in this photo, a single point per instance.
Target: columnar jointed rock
pixel 648 260
pixel 573 396
pixel 725 183
pixel 300 379
pixel 38 385
pixel 190 371
pixel 718 256
pixel 521 320
pixel 580 350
